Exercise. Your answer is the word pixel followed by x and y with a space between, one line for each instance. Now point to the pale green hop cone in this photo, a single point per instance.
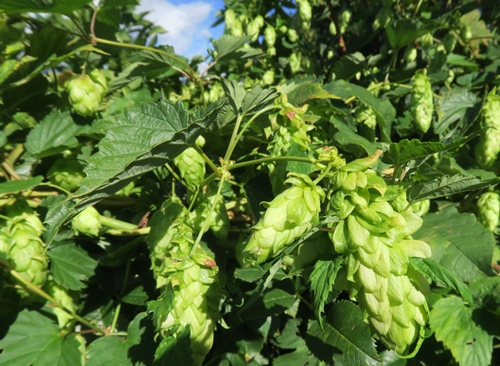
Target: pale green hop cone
pixel 84 95
pixel 422 104
pixel 488 208
pixel 488 146
pixel 288 216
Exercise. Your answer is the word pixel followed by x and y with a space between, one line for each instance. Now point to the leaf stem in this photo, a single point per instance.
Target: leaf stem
pixel 232 142
pixel 53 301
pixel 134 232
pixel 116 224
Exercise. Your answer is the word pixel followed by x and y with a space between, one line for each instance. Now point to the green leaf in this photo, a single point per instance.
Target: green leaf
pixel 405 150
pixel 450 236
pixel 300 357
pixel 42 6
pixel 347 136
pixel 247 102
pixel 462 61
pixel 168 56
pixel 384 110
pixel 34 340
pixel 54 134
pixel 19 185
pixel 227 48
pixel 404 31
pixel 277 297
pixel 136 297
pixel 108 351
pixel 322 278
pixel 304 91
pixel 346 339
pixel 446 186
pixel 134 330
pixel 298 166
pixel 70 265
pixel 452 323
pixel 289 338
pixel 175 350
pixel 347 66
pixel 453 106
pixel 441 276
pixel 249 274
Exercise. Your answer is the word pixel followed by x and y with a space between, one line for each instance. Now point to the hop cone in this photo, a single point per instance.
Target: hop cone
pixel 376 237
pixel 489 142
pixel 65 320
pixel 488 207
pixel 422 104
pixel 21 243
pixel 191 277
pixel 367 120
pixel 66 173
pixel 100 82
pixel 421 208
pixel 84 95
pixel 192 166
pixel 288 216
pixel 87 222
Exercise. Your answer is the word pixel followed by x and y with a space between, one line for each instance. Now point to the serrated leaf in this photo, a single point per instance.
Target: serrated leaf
pixel 322 278
pixel 289 337
pixel 384 110
pixel 450 236
pixel 167 56
pixel 136 297
pixel 257 98
pixel 134 330
pixel 227 48
pixel 346 339
pixel 42 6
pixel 300 357
pixel 452 323
pixel 347 66
pixel 175 350
pixel 251 274
pixel 406 150
pixel 446 186
pixel 70 265
pixel 16 186
pixel 108 351
pixel 305 91
pixel 347 136
pixel 404 31
pixel 33 340
pixel 298 166
pixel 453 106
pixel 278 297
pixel 462 61
pixel 441 275
pixel 55 133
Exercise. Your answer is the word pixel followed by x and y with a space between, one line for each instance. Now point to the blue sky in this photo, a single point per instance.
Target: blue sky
pixel 188 23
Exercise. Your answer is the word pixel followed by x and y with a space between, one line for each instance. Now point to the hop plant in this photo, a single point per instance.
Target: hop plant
pixel 488 208
pixel 367 120
pixel 288 216
pixel 87 222
pixel 270 36
pixel 420 208
pixel 305 11
pixel 421 104
pixel 65 320
pixel 254 26
pixel 66 173
pixel 488 146
pixel 190 276
pixel 375 235
pixel 84 95
pixel 100 82
pixel 292 35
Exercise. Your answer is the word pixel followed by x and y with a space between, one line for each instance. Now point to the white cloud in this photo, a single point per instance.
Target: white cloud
pixel 187 25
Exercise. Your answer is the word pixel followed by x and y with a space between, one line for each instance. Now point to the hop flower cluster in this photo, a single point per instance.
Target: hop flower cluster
pixel 489 142
pixel 20 242
pixel 288 216
pixel 190 275
pixel 488 207
pixel 374 233
pixel 86 92
pixel 422 104
pixel 66 173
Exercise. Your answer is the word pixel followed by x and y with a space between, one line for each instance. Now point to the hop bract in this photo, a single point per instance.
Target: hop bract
pixel 422 104
pixel 488 207
pixel 288 216
pixel 488 146
pixel 87 222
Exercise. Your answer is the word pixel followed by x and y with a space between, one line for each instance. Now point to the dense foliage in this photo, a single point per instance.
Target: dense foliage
pixel 320 190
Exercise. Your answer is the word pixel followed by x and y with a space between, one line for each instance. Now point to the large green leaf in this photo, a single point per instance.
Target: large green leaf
pixel 70 265
pixel 54 134
pixel 175 350
pixel 404 31
pixel 139 141
pixel 108 351
pixel 244 101
pixel 42 6
pixel 441 276
pixel 228 47
pixel 347 136
pixel 452 323
pixel 346 338
pixel 34 340
pixel 459 243
pixel 383 108
pixel 300 93
pixel 446 186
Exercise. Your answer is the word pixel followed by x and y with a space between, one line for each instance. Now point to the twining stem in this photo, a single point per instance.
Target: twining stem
pixel 191 75
pixel 232 142
pixel 206 223
pixel 53 301
pixel 232 146
pixel 208 161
